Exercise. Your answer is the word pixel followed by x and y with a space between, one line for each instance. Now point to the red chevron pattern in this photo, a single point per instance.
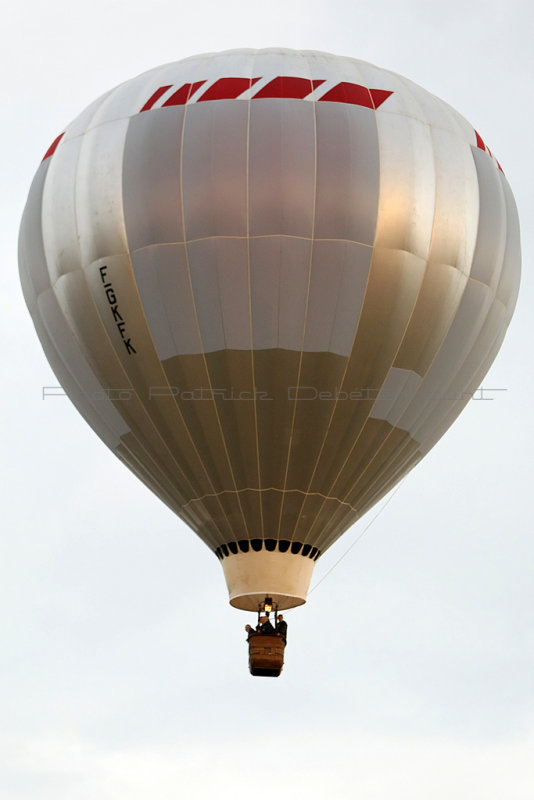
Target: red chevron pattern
pixel 281 86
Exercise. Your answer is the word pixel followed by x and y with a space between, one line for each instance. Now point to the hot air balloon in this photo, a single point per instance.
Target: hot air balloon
pixel 270 281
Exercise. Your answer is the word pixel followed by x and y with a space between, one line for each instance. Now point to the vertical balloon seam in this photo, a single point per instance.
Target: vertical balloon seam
pixel 232 410
pixel 218 497
pixel 260 443
pixel 200 332
pixel 347 365
pixel 309 297
pixel 383 467
pixel 326 497
pixel 250 503
pixel 310 256
pixel 272 492
pixel 336 400
pixel 179 410
pixel 213 493
pixel 240 453
pixel 156 282
pixel 303 335
pixel 251 326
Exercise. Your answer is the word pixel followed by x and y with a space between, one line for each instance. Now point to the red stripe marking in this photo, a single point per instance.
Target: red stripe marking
pixel 378 96
pixel 482 146
pixel 281 86
pixel 480 141
pixel 155 97
pixel 349 93
pixel 227 88
pixel 182 95
pixel 52 149
pixel 284 86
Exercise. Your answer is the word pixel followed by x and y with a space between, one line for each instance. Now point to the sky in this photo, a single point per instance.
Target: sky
pixel 123 670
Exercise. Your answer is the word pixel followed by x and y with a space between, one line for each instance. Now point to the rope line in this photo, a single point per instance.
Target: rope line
pixel 360 536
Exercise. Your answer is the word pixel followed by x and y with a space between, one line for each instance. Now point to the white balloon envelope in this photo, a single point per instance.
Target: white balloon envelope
pixel 270 281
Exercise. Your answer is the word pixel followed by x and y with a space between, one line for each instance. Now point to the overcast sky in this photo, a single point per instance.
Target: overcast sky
pixel 410 672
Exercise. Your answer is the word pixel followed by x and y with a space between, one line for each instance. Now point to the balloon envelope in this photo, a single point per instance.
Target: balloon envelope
pixel 270 281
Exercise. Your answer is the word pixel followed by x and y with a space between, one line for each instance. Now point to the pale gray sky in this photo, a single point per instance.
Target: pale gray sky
pixel 410 672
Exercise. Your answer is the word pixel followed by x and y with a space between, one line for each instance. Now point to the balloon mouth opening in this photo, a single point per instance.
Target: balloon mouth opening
pixel 253 577
pixel 250 602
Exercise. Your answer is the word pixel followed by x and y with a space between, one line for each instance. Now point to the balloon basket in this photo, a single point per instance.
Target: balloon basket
pixel 266 654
